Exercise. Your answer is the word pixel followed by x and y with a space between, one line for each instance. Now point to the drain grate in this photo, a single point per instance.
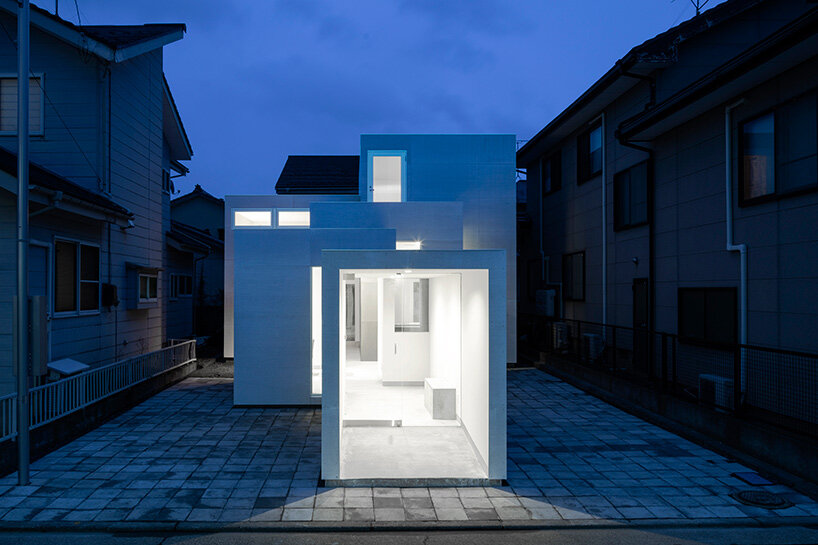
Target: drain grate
pixel 761 498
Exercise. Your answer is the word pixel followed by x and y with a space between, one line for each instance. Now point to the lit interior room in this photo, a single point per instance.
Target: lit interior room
pixel 413 373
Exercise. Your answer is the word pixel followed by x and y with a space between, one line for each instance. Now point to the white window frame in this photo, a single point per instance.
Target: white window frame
pixel 41 77
pixel 279 210
pixel 155 277
pixel 233 218
pixel 53 259
pixel 370 187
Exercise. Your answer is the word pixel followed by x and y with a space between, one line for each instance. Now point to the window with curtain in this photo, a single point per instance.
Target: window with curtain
pixel 8 105
pixel 778 153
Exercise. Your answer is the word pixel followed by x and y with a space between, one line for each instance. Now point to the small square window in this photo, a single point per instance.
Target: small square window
pixel 147 287
pixel 708 315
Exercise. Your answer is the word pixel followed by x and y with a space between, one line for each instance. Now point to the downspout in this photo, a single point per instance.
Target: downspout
pixel 604 224
pixel 730 243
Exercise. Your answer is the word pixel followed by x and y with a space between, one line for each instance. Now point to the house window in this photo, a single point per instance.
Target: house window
pixel 412 305
pixel 707 315
pixel 589 154
pixel 167 183
pixel 252 219
pixel 631 197
pixel 387 176
pixel 573 276
pixel 550 173
pixel 8 105
pixel 292 218
pixel 408 245
pixel 181 285
pixel 758 157
pixel 147 287
pixel 779 151
pixel 76 277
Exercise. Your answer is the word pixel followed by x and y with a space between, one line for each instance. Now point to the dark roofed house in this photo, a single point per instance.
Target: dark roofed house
pixel 679 194
pixel 106 137
pixel 319 174
pixel 198 218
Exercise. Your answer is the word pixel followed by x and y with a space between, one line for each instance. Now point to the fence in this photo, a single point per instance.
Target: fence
pixel 57 399
pixel 767 384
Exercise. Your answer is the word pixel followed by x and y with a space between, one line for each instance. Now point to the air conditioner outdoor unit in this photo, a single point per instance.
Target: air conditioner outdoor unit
pixel 716 390
pixel 560 335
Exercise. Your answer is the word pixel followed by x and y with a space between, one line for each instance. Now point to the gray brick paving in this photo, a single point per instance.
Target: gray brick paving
pixel 187 454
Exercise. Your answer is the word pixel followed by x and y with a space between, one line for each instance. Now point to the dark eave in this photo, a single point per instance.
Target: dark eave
pixel 732 77
pixel 655 53
pixel 42 177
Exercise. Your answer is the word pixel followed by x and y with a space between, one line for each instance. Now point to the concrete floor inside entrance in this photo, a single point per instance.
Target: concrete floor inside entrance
pixel 372 447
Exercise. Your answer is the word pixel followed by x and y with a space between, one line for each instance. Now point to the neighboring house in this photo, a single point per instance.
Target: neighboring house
pixel 199 215
pixel 389 299
pixel 105 136
pixel 695 151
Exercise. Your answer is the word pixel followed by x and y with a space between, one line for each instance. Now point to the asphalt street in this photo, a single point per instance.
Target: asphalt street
pixel 795 535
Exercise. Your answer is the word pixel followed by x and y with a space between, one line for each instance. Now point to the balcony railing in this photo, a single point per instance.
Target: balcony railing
pixel 54 400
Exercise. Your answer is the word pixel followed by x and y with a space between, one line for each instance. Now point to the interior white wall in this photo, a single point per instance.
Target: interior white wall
pixel 315 304
pixel 475 350
pixel 369 319
pixel 444 330
pixel 404 355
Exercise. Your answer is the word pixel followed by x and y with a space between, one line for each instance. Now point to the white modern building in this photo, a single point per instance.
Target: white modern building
pixel 391 306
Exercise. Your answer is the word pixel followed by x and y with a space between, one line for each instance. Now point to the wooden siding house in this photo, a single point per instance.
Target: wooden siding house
pixel 106 136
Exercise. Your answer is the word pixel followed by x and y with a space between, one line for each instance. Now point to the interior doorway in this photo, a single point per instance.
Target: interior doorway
pixel 414 385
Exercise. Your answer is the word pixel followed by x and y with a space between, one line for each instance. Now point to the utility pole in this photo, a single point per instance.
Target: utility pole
pixel 23 70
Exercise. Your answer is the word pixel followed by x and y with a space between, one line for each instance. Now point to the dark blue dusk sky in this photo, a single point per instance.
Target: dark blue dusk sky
pixel 258 80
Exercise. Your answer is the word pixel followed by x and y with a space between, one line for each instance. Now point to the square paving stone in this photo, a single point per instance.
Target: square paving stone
pixel 451 514
pixel 388 503
pixel 204 515
pixel 267 515
pixel 327 514
pixel 482 514
pixel 359 514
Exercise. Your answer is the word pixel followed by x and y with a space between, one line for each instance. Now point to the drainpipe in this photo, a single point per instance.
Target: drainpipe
pixel 731 246
pixel 604 222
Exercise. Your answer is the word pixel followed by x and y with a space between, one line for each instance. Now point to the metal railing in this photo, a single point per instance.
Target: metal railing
pixel 776 386
pixel 54 400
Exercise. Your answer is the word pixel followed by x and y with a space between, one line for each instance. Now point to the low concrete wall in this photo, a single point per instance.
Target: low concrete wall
pixel 64 430
pixel 794 454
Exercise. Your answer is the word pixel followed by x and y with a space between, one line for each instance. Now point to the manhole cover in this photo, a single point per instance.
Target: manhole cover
pixel 761 498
